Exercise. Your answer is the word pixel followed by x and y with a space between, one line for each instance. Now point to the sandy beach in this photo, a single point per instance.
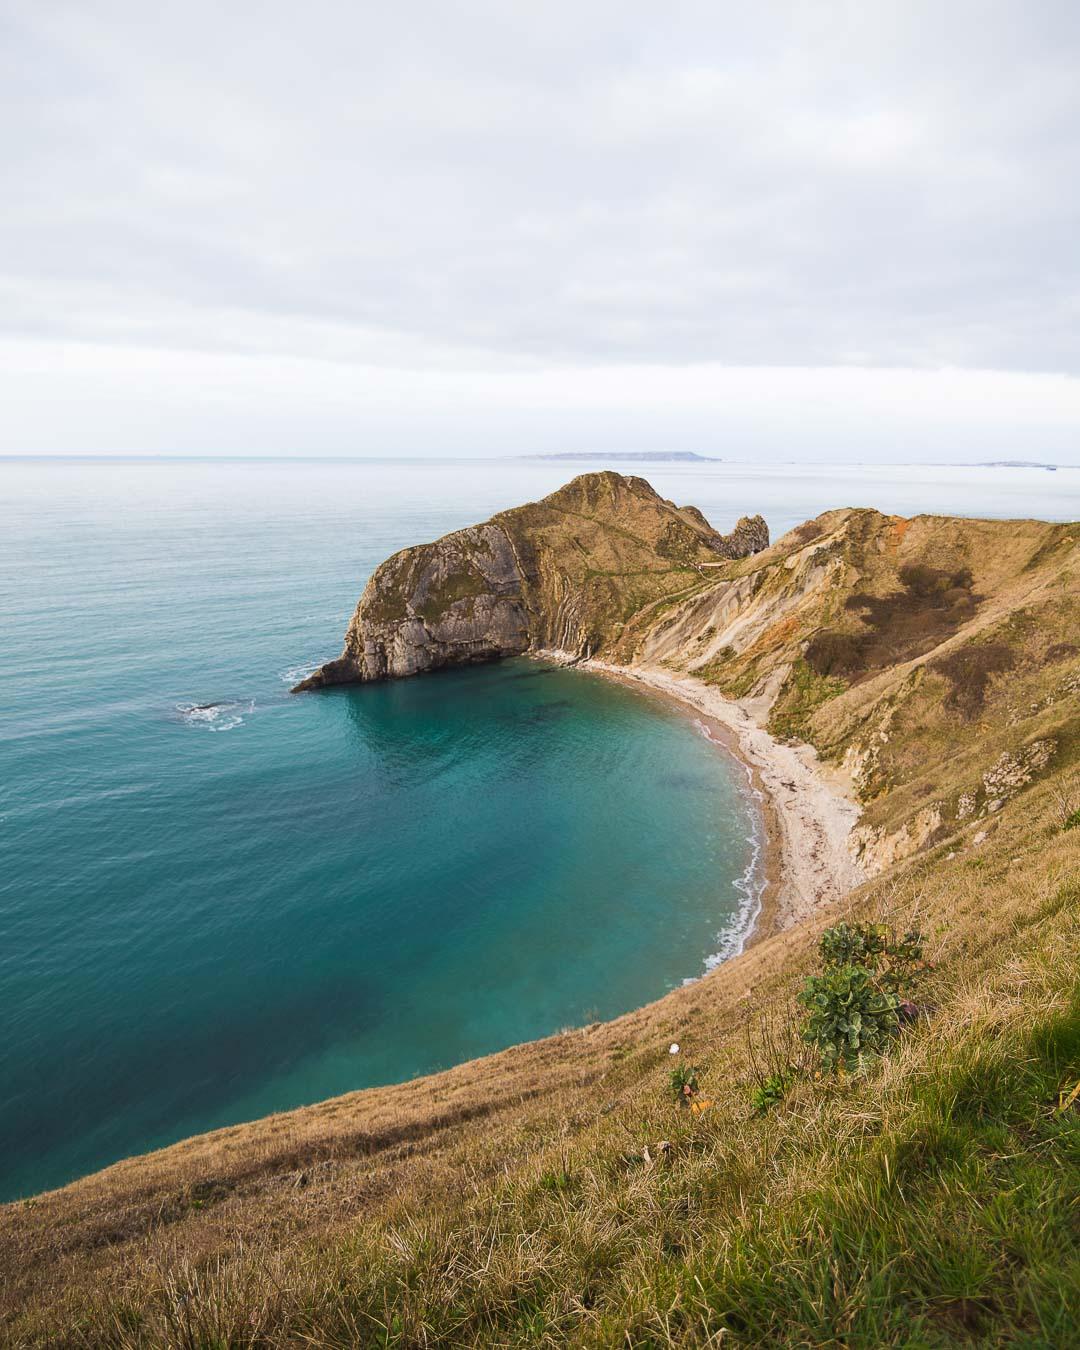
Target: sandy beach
pixel 808 812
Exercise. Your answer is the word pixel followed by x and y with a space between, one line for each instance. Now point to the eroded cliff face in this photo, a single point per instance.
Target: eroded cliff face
pixel 452 602
pixel 933 661
pixel 568 572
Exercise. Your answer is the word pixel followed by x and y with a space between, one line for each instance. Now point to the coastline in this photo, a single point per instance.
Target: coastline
pixel 807 815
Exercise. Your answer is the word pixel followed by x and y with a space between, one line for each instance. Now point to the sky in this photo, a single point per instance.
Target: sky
pixel 843 231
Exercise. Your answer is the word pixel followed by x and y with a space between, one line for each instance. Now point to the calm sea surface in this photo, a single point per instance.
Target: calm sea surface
pixel 210 913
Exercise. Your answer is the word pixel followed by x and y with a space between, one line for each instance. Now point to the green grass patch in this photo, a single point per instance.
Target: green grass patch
pixel 803 693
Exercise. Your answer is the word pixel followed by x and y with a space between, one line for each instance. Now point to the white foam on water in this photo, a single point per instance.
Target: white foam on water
pixel 750 887
pixel 297 673
pixel 215 716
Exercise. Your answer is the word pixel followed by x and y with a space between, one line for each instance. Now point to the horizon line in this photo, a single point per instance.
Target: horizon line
pixel 627 457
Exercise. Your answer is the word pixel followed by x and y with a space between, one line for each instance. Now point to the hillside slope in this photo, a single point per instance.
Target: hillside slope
pixel 894 647
pixel 552 1194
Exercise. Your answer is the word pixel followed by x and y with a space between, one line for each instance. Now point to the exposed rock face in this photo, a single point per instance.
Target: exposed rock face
pixel 874 849
pixel 568 572
pixel 750 535
pixel 449 603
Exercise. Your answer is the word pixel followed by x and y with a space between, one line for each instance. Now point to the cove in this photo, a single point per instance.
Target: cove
pixel 351 888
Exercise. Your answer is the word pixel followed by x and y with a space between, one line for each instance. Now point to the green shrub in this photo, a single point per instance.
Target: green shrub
pixel 894 961
pixel 854 1007
pixel 850 1017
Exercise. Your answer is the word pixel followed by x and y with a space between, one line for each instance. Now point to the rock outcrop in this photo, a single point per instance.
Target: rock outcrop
pixel 568 572
pixel 456 601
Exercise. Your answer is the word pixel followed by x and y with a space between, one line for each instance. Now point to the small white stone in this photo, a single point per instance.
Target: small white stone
pixel 981 837
pixel 673 1049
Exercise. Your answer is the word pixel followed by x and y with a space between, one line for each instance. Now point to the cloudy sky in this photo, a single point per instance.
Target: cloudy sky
pixel 848 230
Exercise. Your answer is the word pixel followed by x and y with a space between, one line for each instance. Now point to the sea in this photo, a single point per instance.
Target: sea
pixel 219 899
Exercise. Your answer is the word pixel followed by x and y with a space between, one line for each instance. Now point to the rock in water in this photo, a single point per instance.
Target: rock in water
pixel 568 573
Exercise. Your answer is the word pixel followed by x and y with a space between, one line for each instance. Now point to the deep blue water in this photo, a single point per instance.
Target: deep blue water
pixel 210 914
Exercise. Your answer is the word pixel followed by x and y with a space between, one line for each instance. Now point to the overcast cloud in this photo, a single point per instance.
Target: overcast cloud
pixel 363 228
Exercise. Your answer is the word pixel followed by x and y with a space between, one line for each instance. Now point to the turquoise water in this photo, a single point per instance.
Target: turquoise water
pixel 207 914
pixel 213 913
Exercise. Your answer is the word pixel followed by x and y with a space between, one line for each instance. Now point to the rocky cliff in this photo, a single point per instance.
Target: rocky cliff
pixel 933 661
pixel 568 572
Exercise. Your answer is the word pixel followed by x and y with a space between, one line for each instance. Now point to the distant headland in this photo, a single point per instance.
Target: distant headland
pixel 1017 464
pixel 632 457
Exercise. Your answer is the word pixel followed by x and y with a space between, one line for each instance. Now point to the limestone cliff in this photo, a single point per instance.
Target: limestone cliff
pixel 568 572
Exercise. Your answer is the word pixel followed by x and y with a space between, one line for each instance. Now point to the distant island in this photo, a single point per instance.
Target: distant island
pixel 635 457
pixel 1016 464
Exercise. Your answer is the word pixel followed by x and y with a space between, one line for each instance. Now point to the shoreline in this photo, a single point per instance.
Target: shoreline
pixel 806 814
pixel 766 868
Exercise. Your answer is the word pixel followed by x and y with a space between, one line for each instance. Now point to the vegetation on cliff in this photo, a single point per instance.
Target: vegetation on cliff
pixel 894 647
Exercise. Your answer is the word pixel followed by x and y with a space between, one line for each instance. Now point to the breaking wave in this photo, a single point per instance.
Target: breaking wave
pixel 222 716
pixel 750 887
pixel 295 674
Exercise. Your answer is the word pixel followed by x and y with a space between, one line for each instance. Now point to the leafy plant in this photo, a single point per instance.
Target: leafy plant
pixel 851 1017
pixel 683 1084
pixel 769 1092
pixel 856 1005
pixel 894 961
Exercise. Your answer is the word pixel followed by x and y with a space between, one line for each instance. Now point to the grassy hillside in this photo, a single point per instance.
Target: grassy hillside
pixel 555 1194
pixel 935 660
pixel 605 548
